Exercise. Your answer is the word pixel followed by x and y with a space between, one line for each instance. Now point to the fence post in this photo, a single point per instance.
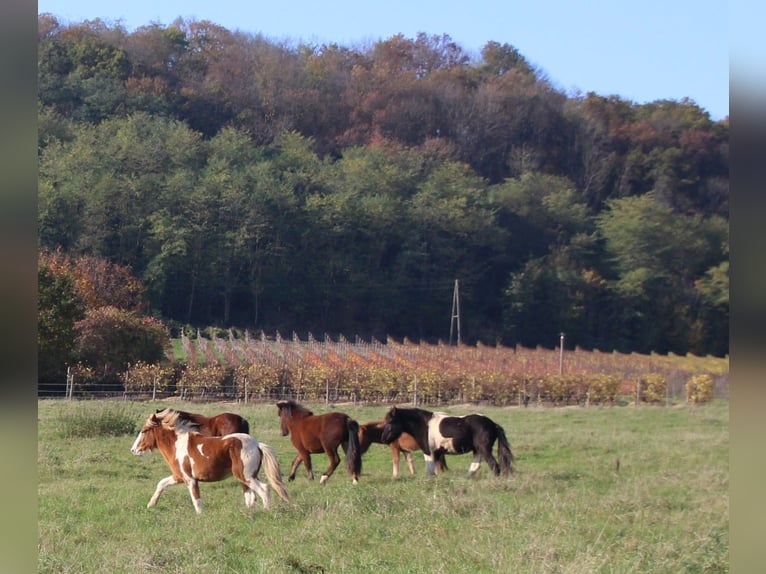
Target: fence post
pixel 70 383
pixel 638 392
pixel 154 387
pixel 415 394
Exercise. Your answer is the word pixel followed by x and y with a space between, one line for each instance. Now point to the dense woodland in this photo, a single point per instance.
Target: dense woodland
pixel 343 189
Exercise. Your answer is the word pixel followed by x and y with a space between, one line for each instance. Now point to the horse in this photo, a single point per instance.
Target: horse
pixel 218 425
pixel 372 433
pixel 195 458
pixel 438 434
pixel 311 434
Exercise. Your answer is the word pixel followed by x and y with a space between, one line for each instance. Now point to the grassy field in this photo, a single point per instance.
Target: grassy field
pixel 602 489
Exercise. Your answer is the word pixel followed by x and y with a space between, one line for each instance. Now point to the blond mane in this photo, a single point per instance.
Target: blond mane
pixel 174 420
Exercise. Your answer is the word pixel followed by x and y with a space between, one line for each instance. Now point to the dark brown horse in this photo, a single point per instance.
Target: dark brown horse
pixel 311 434
pixel 194 458
pixel 218 425
pixel 406 444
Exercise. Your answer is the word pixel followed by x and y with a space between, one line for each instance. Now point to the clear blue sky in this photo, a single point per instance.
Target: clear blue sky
pixel 640 51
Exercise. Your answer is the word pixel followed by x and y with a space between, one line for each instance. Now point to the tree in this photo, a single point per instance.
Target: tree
pixel 58 309
pixel 657 256
pixel 109 339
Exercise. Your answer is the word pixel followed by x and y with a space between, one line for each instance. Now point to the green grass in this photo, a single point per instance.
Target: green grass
pixel 606 489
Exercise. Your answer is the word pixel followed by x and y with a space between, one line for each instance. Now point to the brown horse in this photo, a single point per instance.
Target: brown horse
pixel 194 458
pixel 311 434
pixel 218 425
pixel 372 433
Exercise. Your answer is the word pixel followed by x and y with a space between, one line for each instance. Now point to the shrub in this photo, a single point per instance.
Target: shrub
pixel 113 338
pixel 699 389
pixel 87 422
pixel 653 387
pixel 144 377
pixel 200 380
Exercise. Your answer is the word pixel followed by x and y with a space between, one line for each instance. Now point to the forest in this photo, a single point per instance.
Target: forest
pixel 278 186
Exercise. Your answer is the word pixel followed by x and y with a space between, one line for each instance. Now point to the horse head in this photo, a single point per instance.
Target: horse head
pixel 392 428
pixel 146 441
pixel 284 408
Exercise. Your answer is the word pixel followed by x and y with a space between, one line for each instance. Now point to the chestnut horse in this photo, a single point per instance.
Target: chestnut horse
pixel 438 434
pixel 218 425
pixel 194 458
pixel 372 433
pixel 311 434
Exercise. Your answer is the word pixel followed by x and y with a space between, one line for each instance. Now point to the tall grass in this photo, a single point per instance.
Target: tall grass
pixel 605 489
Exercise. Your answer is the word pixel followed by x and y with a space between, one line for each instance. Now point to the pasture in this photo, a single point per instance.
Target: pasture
pixel 600 489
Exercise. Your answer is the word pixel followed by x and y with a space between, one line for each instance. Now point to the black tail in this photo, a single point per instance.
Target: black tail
pixel 354 451
pixel 244 426
pixel 504 452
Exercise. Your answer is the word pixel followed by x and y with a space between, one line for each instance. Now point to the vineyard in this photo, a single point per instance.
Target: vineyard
pixel 254 369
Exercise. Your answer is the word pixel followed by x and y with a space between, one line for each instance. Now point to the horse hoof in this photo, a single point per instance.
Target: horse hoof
pixel 323 479
pixel 355 481
pixel 290 478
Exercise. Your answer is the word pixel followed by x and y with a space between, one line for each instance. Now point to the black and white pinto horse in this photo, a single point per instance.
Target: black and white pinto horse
pixel 438 434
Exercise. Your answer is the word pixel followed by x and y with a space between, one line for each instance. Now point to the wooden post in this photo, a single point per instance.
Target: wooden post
pixel 561 356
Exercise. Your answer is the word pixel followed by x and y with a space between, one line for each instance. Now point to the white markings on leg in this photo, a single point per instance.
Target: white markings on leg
pixel 475 463
pixel 161 485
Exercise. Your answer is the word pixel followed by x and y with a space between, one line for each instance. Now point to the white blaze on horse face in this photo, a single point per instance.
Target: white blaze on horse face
pixel 135 448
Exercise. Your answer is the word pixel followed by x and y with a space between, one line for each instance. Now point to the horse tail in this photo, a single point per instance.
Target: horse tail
pixel 272 470
pixel 244 426
pixel 504 451
pixel 354 450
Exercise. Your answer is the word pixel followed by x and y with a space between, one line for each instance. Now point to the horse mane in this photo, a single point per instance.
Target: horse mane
pixel 173 419
pixel 293 406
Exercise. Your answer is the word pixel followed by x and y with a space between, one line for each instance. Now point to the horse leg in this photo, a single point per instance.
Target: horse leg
pixel 307 463
pixel 430 465
pixel 410 461
pixel 294 467
pixel 162 485
pixel 334 462
pixel 395 458
pixel 254 486
pixel 193 486
pixel 485 452
pixel 249 495
pixel 475 464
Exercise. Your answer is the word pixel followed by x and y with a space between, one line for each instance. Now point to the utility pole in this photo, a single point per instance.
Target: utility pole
pixel 455 313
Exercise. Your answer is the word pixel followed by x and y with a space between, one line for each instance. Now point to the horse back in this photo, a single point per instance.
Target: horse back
pixel 316 433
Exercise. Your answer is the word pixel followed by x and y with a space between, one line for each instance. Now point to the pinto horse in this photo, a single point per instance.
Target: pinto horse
pixel 372 433
pixel 218 425
pixel 311 434
pixel 438 434
pixel 195 458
